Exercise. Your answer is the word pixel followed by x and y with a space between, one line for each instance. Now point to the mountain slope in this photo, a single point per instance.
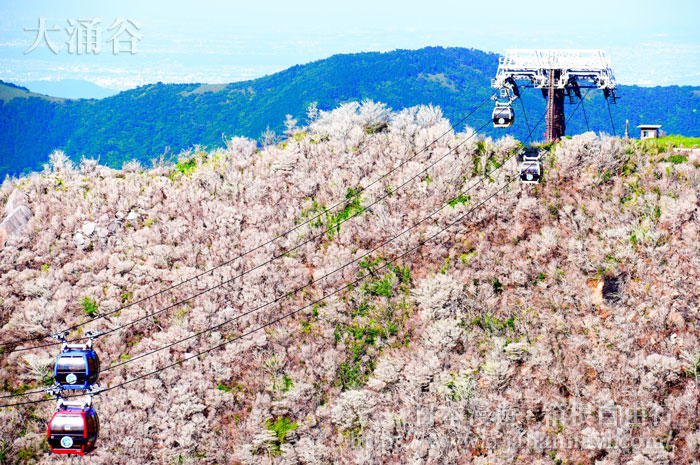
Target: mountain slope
pixel 557 322
pixel 145 122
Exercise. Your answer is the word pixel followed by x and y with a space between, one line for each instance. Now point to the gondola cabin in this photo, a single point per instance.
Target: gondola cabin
pixel 77 367
pixel 73 429
pixel 531 170
pixel 503 115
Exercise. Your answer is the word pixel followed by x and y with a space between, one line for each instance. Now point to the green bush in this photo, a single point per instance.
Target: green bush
pixel 27 454
pixel 332 221
pixel 185 167
pixel 461 199
pixel 492 323
pixel 281 427
pixel 5 448
pixel 399 276
pixel 676 159
pixel 90 306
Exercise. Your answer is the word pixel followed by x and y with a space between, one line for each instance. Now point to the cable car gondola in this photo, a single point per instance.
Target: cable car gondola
pixel 531 168
pixel 77 366
pixel 503 115
pixel 74 428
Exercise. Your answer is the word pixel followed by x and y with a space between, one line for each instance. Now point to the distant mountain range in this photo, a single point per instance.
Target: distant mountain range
pixel 147 121
pixel 69 88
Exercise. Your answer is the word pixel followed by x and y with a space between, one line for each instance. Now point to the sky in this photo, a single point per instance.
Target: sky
pixel 648 42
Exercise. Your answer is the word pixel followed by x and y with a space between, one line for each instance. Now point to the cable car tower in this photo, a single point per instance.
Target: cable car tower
pixel 558 74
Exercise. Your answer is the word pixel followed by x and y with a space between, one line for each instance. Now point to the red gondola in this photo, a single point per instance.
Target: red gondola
pixel 74 428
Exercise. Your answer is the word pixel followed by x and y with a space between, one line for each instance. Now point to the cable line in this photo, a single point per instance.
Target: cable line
pixel 585 116
pixel 195 277
pixel 522 105
pixel 486 176
pixel 287 315
pixel 611 118
pixel 290 293
pixel 580 104
pixel 274 257
pixel 262 264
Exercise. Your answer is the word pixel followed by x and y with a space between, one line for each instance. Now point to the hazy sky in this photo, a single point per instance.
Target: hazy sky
pixel 649 42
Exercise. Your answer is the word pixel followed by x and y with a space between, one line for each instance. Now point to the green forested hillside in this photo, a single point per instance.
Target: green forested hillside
pixel 143 123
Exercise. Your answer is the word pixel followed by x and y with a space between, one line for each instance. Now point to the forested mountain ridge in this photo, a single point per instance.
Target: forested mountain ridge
pixel 150 120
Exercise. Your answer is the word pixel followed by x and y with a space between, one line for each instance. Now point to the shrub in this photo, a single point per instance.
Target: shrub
pixel 133 166
pixel 59 162
pixel 27 454
pixel 186 166
pixel 352 207
pixel 5 448
pixel 281 427
pixel 352 410
pixel 90 306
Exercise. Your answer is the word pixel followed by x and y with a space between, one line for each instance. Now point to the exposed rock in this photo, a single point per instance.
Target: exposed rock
pixel 114 226
pixel 132 216
pixel 596 291
pixel 677 320
pixel 517 351
pixel 79 240
pixel 102 232
pixel 16 199
pixel 89 228
pixel 16 220
pixel 606 291
pixel 119 215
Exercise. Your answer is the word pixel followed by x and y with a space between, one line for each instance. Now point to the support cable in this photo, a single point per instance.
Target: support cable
pixel 287 315
pixel 343 202
pixel 487 176
pixel 274 257
pixel 611 118
pixel 585 117
pixel 580 104
pixel 522 105
pixel 288 294
pixel 277 299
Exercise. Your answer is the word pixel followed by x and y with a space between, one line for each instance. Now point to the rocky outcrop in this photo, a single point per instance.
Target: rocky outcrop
pixel 17 215
pixel 16 199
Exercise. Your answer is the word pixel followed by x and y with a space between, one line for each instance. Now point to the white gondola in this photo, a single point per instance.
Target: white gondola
pixel 531 168
pixel 503 115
